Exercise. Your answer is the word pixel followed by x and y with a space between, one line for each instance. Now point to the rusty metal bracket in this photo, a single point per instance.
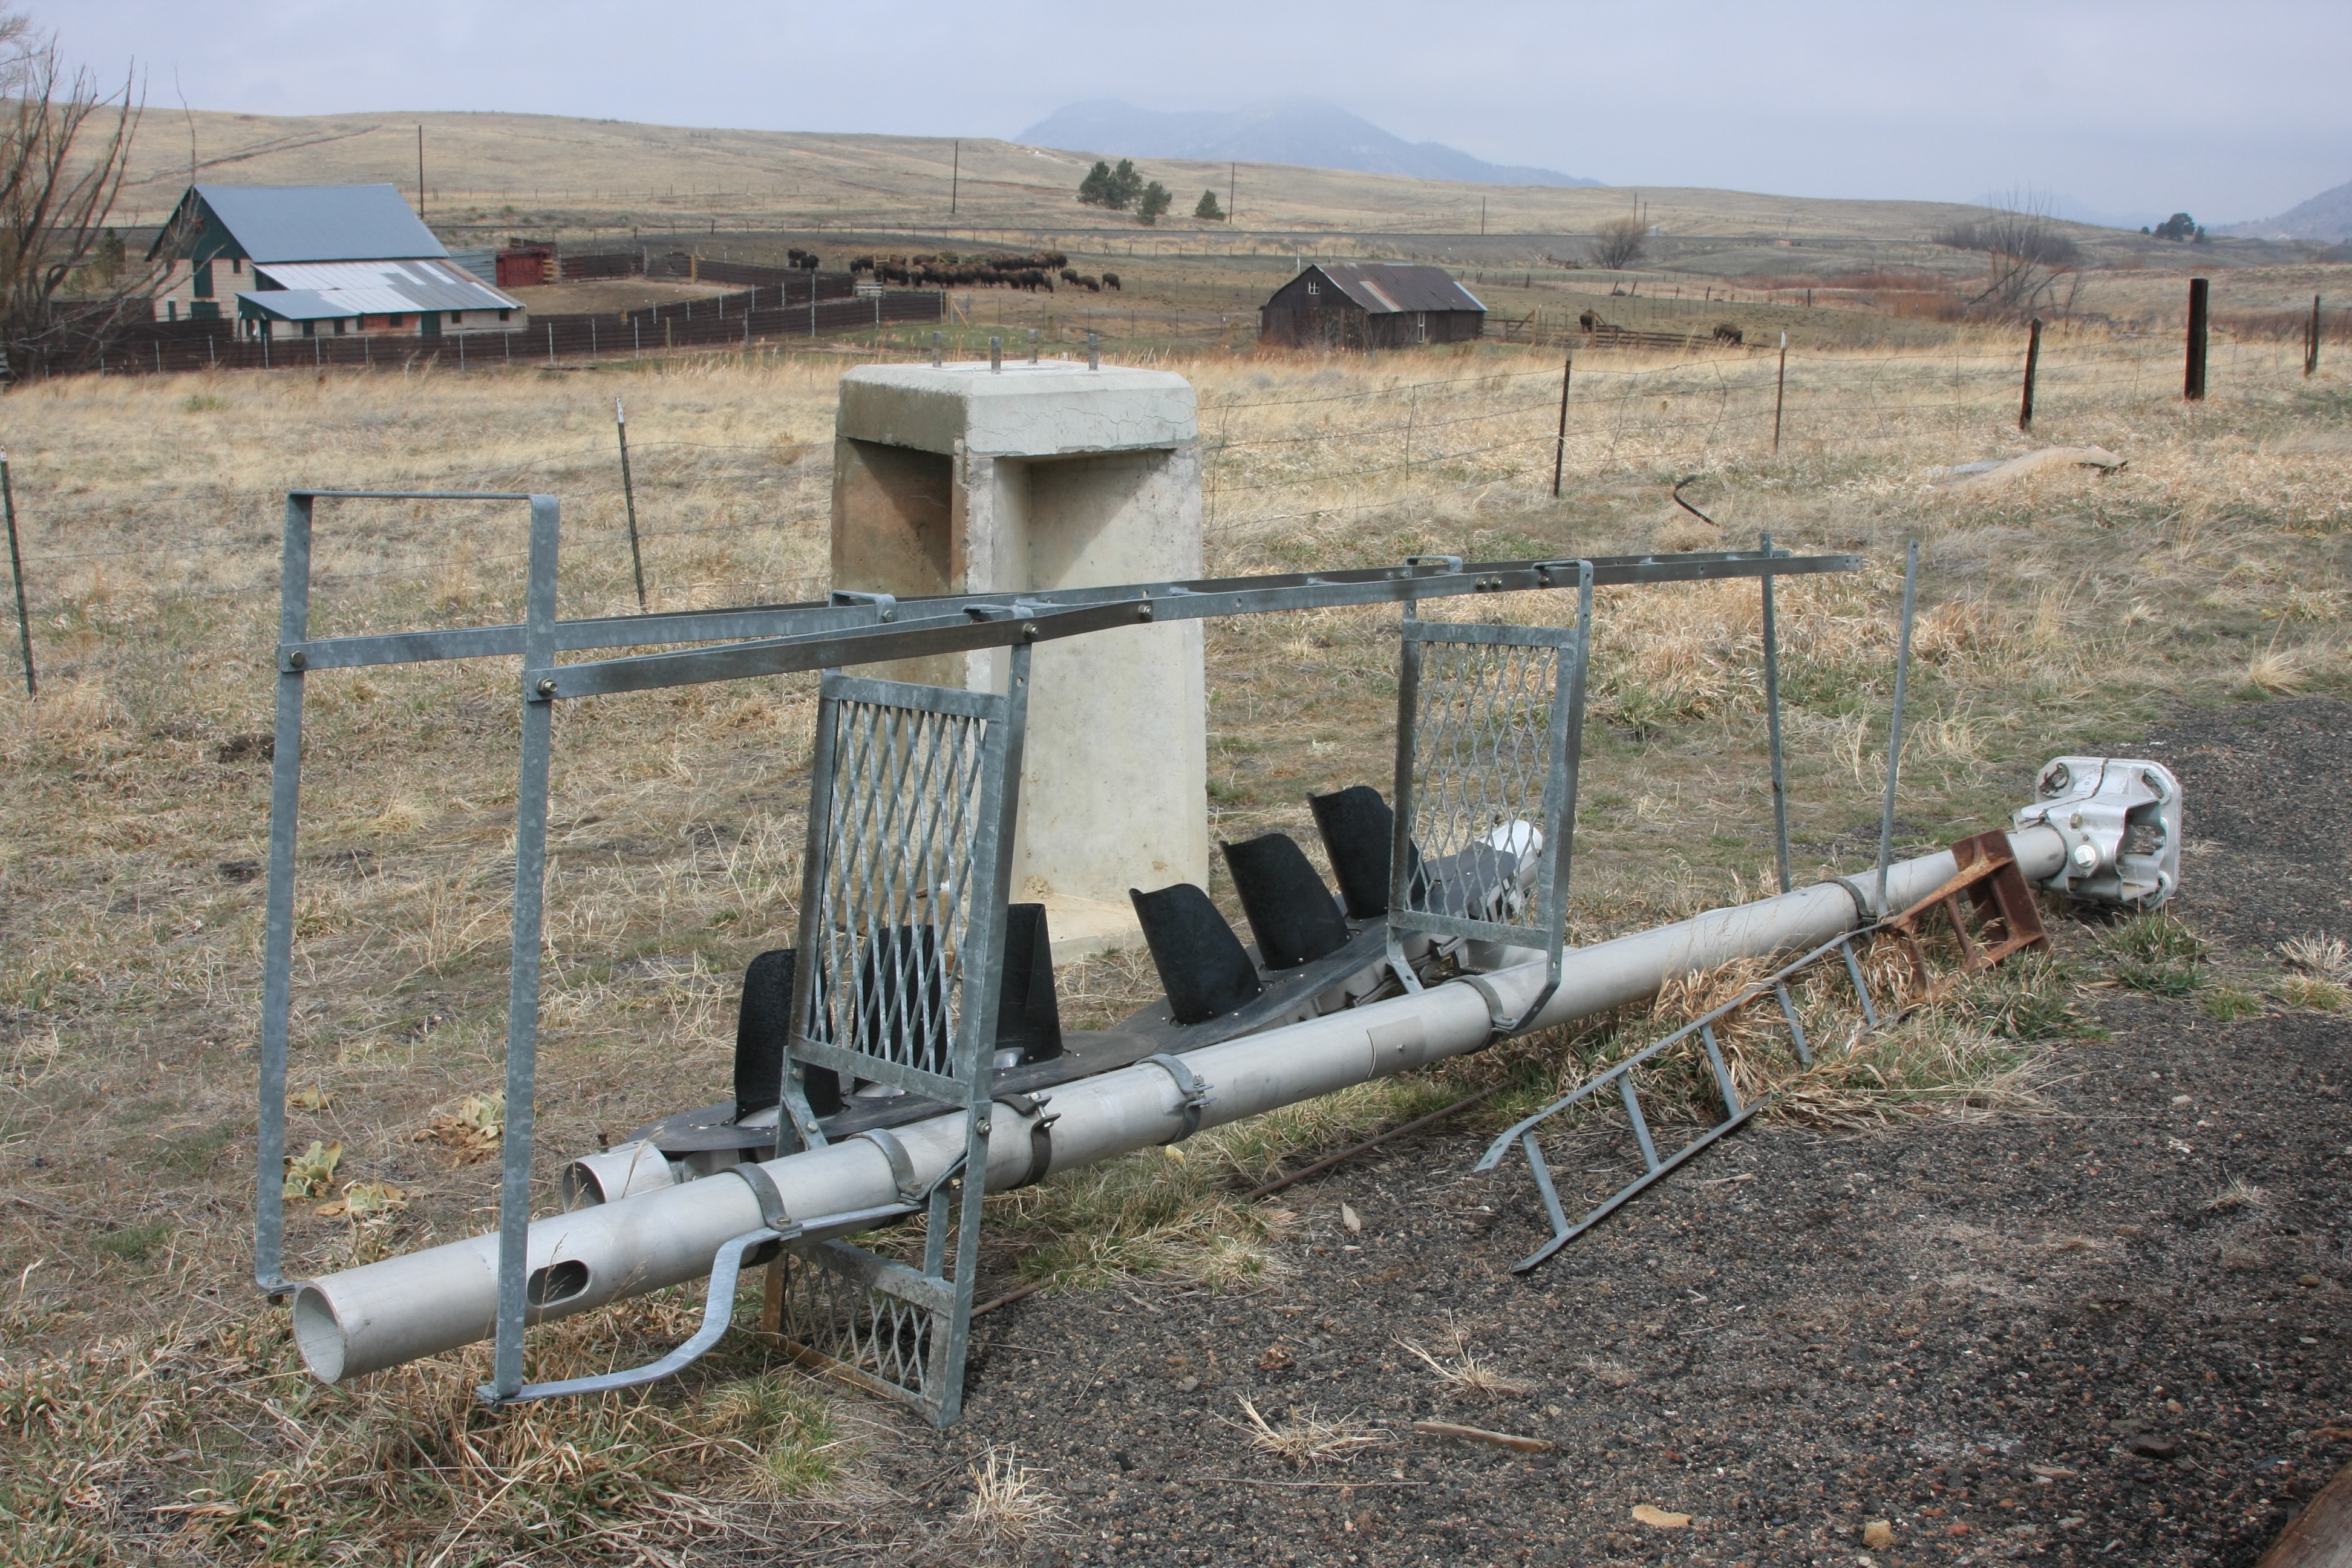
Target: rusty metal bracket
pixel 2007 920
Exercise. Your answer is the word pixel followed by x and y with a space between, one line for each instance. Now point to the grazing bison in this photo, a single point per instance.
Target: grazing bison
pixel 1727 334
pixel 1110 280
pixel 1589 321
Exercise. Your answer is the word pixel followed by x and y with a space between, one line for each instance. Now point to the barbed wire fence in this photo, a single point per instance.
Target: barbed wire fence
pixel 1475 442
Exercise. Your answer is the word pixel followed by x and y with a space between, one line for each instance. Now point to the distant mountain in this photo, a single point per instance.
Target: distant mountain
pixel 2328 216
pixel 1297 131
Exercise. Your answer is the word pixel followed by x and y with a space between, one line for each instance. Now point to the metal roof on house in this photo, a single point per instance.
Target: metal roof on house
pixel 292 305
pixel 321 223
pixel 1386 286
pixel 375 288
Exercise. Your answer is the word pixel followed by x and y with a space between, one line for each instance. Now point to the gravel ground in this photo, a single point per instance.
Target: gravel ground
pixel 2022 1337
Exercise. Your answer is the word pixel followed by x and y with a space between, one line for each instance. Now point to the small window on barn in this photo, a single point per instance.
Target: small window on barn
pixel 201 280
pixel 1313 288
pixel 339 327
pixel 236 265
pixel 455 317
pixel 504 315
pixel 395 320
pixel 309 329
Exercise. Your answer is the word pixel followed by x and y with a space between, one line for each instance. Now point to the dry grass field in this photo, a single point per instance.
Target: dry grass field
pixel 152 1410
pixel 488 168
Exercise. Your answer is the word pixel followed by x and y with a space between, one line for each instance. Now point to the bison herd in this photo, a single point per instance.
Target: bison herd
pixel 946 269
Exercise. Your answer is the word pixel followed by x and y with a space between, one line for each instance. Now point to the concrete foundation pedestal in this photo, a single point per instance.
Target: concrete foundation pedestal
pixel 958 478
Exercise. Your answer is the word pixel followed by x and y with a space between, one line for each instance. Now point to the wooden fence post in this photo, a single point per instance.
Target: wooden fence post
pixel 2311 348
pixel 2192 381
pixel 2032 361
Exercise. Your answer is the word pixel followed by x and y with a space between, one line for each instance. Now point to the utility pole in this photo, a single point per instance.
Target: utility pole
pixel 2311 349
pixel 420 173
pixel 1233 190
pixel 955 178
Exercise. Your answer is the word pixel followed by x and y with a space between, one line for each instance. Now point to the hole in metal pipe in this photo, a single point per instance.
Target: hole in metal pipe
pixel 557 1282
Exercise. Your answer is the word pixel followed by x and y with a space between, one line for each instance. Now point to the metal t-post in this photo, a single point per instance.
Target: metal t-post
pixel 2032 364
pixel 1895 725
pixel 16 573
pixel 629 491
pixel 1772 722
pixel 278 901
pixel 1779 391
pixel 1559 443
pixel 522 983
pixel 2192 379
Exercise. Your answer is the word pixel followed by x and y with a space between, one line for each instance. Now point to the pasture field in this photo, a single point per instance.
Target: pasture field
pixel 152 1410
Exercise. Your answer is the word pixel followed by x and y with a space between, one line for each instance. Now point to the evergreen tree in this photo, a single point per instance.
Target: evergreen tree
pixel 1154 201
pixel 1095 189
pixel 1125 185
pixel 1208 210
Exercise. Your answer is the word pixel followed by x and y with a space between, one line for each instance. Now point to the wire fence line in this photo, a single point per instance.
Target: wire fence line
pixel 1271 462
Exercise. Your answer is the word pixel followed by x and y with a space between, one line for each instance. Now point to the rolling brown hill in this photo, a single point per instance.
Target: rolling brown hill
pixel 483 169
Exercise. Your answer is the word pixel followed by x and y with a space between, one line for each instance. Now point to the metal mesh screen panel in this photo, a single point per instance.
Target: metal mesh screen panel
pixel 894 898
pixel 832 1309
pixel 1487 722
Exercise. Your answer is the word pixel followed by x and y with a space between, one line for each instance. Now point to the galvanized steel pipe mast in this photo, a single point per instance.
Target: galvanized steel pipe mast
pixel 342 1337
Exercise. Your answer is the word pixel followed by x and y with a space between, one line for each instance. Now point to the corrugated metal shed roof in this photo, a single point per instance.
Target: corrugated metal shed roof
pixel 381 288
pixel 1386 286
pixel 292 305
pixel 321 223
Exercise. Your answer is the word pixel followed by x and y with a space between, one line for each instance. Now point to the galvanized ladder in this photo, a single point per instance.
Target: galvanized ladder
pixel 2008 921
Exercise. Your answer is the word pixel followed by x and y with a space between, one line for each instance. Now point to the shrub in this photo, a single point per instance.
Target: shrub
pixel 1206 208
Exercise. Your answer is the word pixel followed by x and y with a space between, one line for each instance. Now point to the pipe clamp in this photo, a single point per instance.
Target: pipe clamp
pixel 902 1165
pixel 772 1201
pixel 1041 1134
pixel 1195 1093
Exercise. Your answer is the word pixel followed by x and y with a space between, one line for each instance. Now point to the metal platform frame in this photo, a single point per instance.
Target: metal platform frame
pixel 1490 735
pixel 847 629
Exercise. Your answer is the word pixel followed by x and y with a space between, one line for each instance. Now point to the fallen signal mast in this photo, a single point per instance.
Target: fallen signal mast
pixel 905 1055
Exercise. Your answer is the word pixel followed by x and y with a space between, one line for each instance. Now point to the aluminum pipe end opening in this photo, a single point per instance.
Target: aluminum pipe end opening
pixel 319 1334
pixel 579 1187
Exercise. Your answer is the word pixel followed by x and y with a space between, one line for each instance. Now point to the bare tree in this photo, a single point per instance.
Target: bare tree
pixel 2033 267
pixel 65 147
pixel 1617 245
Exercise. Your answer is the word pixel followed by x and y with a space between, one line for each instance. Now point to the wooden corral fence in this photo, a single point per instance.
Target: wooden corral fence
pixel 743 320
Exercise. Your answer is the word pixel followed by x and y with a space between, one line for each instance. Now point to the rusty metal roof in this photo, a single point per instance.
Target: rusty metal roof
pixel 1387 288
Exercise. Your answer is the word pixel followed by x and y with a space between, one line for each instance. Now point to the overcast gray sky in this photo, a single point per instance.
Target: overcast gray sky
pixel 2120 106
